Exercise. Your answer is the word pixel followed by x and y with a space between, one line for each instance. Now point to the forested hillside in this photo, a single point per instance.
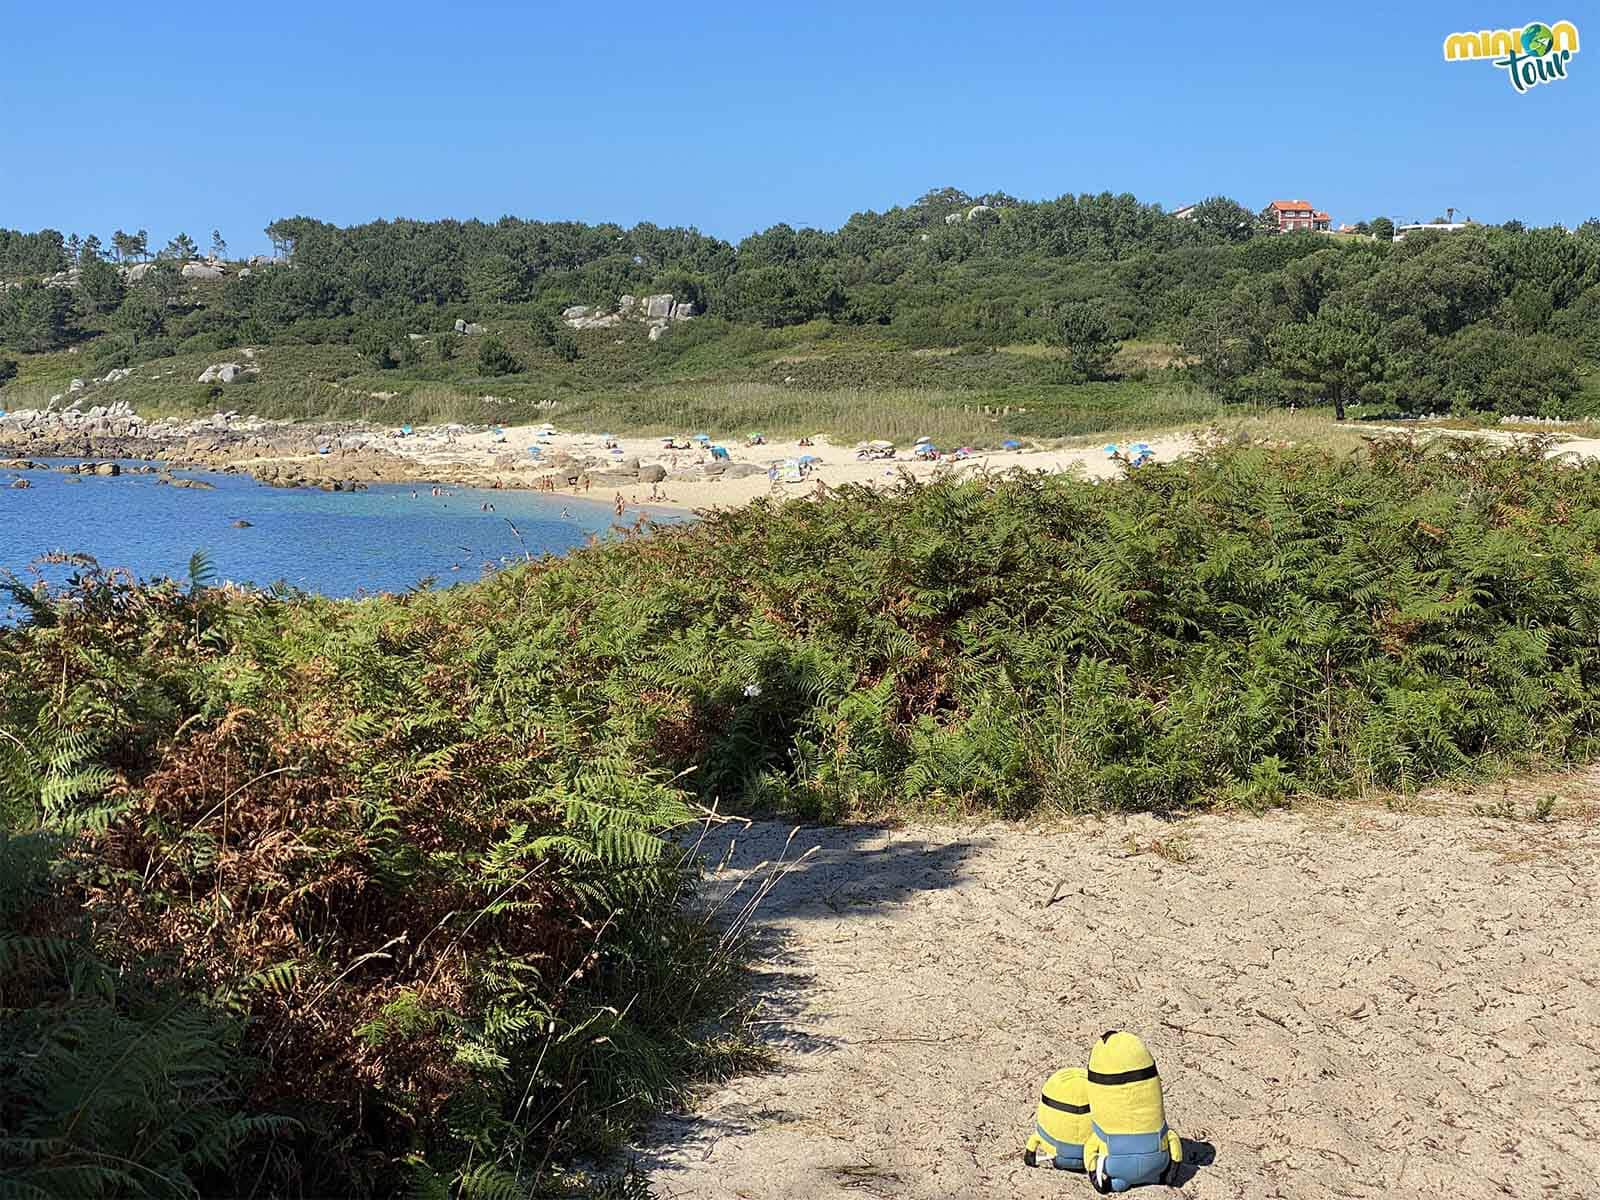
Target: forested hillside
pixel 1488 319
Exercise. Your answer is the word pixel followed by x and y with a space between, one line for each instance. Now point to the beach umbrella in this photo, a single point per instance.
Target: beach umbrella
pixel 809 458
pixel 924 441
pixel 703 437
pixel 1111 449
pixel 405 431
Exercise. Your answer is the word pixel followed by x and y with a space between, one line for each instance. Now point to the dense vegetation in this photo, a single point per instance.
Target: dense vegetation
pixel 1491 319
pixel 316 897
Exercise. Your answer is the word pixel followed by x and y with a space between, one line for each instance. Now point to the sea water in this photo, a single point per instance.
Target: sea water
pixel 387 538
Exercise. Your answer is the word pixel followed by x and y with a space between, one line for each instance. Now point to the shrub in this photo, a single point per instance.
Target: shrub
pixel 495 359
pixel 1090 343
pixel 453 947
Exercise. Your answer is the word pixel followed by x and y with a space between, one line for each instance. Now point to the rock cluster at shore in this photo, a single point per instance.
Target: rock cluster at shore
pixel 112 430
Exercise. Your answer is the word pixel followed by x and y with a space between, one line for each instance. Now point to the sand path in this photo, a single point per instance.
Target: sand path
pixel 1344 1003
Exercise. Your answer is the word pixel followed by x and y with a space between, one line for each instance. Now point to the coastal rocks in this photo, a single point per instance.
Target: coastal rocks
pixel 652 473
pixel 20 464
pixel 77 385
pixel 738 470
pixel 241 524
pixel 22 484
pixel 116 375
pixel 608 478
pixel 199 485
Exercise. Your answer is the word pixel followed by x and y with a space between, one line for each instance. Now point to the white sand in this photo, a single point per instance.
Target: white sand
pixel 476 453
pixel 1343 1003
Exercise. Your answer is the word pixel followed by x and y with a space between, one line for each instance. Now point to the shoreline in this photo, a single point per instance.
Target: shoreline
pixel 628 472
pixel 633 471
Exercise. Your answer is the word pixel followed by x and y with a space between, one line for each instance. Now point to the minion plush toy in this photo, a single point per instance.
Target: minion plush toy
pixel 1062 1121
pixel 1129 1142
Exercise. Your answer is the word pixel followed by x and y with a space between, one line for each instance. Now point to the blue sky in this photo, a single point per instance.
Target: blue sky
pixel 734 117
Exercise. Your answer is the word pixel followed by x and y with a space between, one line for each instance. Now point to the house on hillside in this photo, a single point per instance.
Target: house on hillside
pixel 1400 231
pixel 1186 213
pixel 1296 215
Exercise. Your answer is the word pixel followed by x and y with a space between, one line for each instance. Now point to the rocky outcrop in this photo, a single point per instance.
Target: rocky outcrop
pixel 224 373
pixel 657 311
pixel 202 271
pixel 468 327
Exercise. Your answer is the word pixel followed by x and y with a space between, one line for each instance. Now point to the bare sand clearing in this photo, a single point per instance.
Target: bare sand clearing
pixel 1348 1002
pixel 477 452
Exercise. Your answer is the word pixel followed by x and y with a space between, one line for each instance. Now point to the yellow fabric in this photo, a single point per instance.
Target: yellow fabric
pixel 1093 1151
pixel 1067 1086
pixel 1124 1107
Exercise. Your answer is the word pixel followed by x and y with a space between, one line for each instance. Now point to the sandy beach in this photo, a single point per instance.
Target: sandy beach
pixel 1344 1001
pixel 505 460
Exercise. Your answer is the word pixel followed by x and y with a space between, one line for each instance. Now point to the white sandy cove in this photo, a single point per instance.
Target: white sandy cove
pixel 448 454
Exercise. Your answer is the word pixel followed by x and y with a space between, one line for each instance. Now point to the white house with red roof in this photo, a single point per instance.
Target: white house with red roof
pixel 1296 215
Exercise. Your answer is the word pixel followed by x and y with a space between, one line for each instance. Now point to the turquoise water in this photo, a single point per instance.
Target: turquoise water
pixel 335 543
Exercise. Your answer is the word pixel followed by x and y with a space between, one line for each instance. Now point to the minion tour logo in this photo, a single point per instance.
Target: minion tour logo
pixel 1535 54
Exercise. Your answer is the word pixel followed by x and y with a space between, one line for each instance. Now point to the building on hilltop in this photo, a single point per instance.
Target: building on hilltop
pixel 1400 231
pixel 1186 213
pixel 1296 215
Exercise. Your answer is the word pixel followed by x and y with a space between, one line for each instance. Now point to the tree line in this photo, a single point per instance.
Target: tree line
pixel 1493 316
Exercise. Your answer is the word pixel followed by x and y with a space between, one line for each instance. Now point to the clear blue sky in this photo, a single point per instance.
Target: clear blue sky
pixel 733 117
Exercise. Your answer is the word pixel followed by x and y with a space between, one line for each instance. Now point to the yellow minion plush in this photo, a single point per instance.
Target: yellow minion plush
pixel 1061 1122
pixel 1129 1142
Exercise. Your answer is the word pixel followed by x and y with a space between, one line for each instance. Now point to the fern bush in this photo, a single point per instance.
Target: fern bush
pixel 420 850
